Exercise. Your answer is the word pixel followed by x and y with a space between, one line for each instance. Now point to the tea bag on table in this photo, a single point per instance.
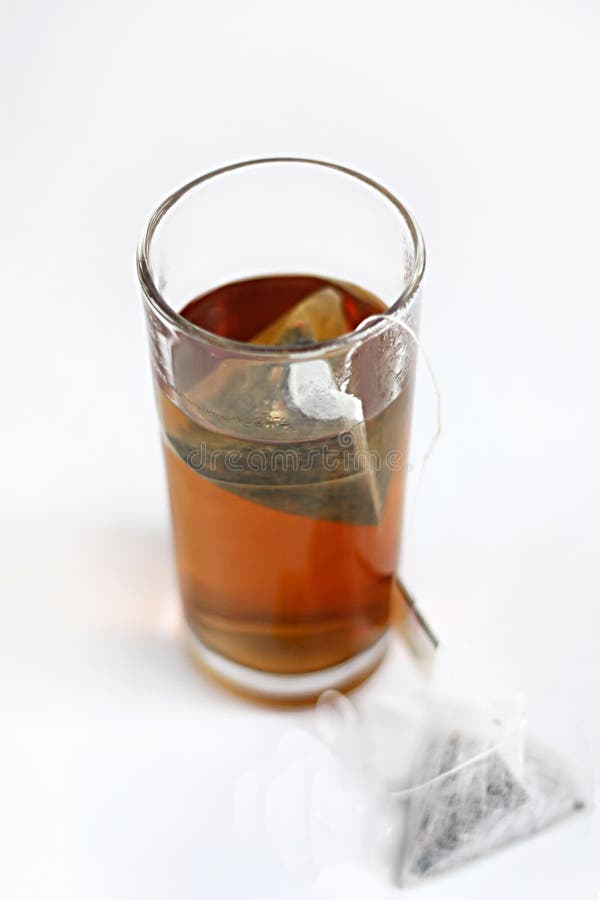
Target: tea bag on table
pixel 477 782
pixel 468 802
pixel 454 780
pixel 311 419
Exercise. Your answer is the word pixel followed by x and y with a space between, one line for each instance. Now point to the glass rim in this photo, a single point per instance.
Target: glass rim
pixel 373 325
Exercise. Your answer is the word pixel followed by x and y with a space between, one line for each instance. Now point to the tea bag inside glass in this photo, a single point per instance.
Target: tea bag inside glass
pixel 325 457
pixel 319 317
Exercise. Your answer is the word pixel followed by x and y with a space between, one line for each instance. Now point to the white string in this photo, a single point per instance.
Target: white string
pixel 478 757
pixel 438 406
pixel 333 701
pixel 438 426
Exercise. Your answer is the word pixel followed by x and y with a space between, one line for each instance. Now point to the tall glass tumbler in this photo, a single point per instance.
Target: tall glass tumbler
pixel 286 466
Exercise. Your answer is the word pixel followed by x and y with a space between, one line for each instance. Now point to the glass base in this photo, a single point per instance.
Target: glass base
pixel 287 688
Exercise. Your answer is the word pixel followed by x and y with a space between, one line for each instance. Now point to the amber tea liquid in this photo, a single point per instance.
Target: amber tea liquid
pixel 285 549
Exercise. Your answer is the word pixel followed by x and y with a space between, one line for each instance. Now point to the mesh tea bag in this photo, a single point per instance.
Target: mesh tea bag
pixel 462 779
pixel 320 461
pixel 467 801
pixel 319 317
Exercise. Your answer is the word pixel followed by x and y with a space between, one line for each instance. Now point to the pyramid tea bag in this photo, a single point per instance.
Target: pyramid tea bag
pixel 461 779
pixel 468 801
pixel 319 317
pixel 329 464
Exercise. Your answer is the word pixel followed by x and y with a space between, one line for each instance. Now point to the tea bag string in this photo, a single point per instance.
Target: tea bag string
pixel 339 720
pixel 438 405
pixel 448 773
pixel 438 421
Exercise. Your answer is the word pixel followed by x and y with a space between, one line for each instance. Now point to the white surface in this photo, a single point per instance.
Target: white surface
pixel 121 766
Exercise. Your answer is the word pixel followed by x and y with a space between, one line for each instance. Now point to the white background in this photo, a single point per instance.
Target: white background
pixel 119 763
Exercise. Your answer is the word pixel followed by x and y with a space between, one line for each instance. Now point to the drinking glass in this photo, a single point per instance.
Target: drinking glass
pixel 285 465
